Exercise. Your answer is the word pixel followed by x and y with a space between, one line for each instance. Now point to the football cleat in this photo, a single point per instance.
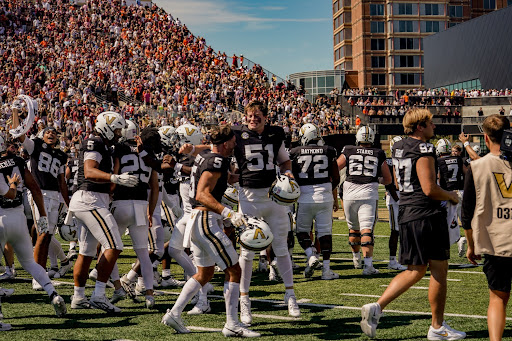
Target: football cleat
pixel 358 264
pixel 370 314
pixel 461 246
pixel 238 331
pixel 140 289
pixel 129 287
pixel 310 267
pixel 5 327
pixel 245 310
pixel 293 307
pixel 6 292
pixel 101 302
pixel 52 272
pixel 119 294
pixel 445 333
pixel 7 277
pixel 171 282
pixel 328 274
pixel 59 305
pixel 175 322
pixel 72 254
pixel 262 265
pixel 150 301
pixel 64 270
pixel 370 270
pixel 80 303
pixel 272 274
pixel 200 308
pixel 394 265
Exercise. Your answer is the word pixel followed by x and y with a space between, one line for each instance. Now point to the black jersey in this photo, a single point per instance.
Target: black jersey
pixel 130 162
pixel 10 165
pixel 211 162
pixel 256 155
pixel 451 174
pixel 185 160
pixel 414 204
pixel 94 144
pixel 171 184
pixel 46 163
pixel 73 164
pixel 363 164
pixel 312 164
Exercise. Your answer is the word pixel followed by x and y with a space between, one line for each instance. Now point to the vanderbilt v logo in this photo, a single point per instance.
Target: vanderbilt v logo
pixel 189 131
pixel 257 233
pixel 166 130
pixel 506 190
pixel 110 119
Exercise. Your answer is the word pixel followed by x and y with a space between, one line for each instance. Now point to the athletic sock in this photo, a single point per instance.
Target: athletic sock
pixel 392 258
pixel 231 294
pixel 166 272
pixel 99 288
pixel 368 262
pixel 79 292
pixel 189 290
pixel 132 276
pixel 327 264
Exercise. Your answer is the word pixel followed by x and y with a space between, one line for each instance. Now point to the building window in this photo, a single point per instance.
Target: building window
pixel 407 78
pixel 489 4
pixel 406 44
pixel 337 21
pixel 336 6
pixel 377 9
pixel 377 44
pixel 404 9
pixel 405 26
pixel 431 9
pixel 338 37
pixel 379 79
pixel 378 62
pixel 431 26
pixel 456 11
pixel 407 61
pixel 339 53
pixel 377 27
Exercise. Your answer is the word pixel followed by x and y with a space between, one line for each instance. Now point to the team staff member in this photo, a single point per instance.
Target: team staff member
pixel 423 228
pixel 486 221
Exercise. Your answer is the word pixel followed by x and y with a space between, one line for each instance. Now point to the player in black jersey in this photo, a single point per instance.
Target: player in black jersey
pixel 209 244
pixel 13 224
pixel 47 164
pixel 90 204
pixel 72 181
pixel 314 166
pixel 423 228
pixel 365 165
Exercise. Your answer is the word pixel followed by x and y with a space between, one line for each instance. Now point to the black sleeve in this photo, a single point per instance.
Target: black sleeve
pixel 468 200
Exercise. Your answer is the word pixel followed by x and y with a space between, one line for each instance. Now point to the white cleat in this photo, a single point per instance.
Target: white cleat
pixel 72 254
pixel 328 274
pixel 394 265
pixel 171 282
pixel 175 322
pixel 64 270
pixel 262 265
pixel 293 307
pixel 128 287
pixel 59 305
pixel 200 308
pixel 150 301
pixel 311 265
pixel 445 333
pixel 5 327
pixel 119 294
pixel 245 310
pixel 52 272
pixel 80 303
pixel 358 264
pixel 101 302
pixel 369 271
pixel 6 292
pixel 140 289
pixel 461 246
pixel 238 331
pixel 370 314
pixel 7 277
pixel 272 275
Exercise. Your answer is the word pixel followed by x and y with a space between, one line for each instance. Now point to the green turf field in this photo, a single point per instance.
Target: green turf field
pixel 330 309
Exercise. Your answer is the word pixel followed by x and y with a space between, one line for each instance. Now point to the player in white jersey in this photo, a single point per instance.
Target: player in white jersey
pixel 365 165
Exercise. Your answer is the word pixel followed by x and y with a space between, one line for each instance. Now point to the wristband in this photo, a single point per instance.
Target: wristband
pixel 226 212
pixel 466 144
pixel 177 167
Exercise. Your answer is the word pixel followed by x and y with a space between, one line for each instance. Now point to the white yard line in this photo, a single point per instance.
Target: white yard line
pixel 360 295
pixel 448 279
pixel 204 329
pixel 417 288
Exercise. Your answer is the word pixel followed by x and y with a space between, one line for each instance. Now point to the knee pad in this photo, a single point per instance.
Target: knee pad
pixel 156 256
pixel 355 235
pixel 247 255
pixel 367 234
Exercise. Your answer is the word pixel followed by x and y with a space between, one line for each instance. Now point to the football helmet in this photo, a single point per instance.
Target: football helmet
pixel 107 122
pixel 256 235
pixel 309 132
pixel 230 197
pixel 3 146
pixel 365 135
pixel 393 141
pixel 68 232
pixel 443 146
pixel 476 148
pixel 167 135
pixel 188 133
pixel 130 131
pixel 284 190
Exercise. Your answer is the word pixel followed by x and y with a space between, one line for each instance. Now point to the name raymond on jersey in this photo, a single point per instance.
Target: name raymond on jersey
pixel 312 151
pixel 7 163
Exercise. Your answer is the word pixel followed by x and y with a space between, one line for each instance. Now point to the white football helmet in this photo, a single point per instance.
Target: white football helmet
pixel 107 122
pixel 188 133
pixel 230 197
pixel 476 148
pixel 285 191
pixel 68 232
pixel 393 141
pixel 309 132
pixel 3 146
pixel 365 135
pixel 256 235
pixel 167 135
pixel 131 130
pixel 443 146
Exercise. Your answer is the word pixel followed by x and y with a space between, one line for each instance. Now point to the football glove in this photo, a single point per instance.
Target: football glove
pixel 237 218
pixel 42 225
pixel 124 179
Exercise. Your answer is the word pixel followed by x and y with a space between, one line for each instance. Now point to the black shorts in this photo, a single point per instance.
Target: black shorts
pixel 499 272
pixel 424 239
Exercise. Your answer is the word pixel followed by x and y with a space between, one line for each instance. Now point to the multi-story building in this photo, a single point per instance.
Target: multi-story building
pixel 379 43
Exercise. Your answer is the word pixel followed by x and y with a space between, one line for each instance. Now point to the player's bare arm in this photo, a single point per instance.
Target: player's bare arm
pixel 205 186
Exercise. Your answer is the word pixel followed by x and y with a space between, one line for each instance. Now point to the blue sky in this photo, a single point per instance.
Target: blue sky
pixel 284 36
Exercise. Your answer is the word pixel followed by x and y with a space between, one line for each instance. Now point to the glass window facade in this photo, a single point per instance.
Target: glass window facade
pixel 407 61
pixel 431 9
pixel 377 44
pixel 378 61
pixel 407 78
pixel 406 44
pixel 468 85
pixel 377 9
pixel 490 4
pixel 432 26
pixel 379 79
pixel 405 26
pixel 318 82
pixel 455 11
pixel 377 27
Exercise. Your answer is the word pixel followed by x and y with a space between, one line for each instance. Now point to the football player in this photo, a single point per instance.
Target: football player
pixel 423 229
pixel 209 244
pixel 47 164
pixel 90 205
pixel 473 151
pixel 13 224
pixel 392 198
pixel 314 166
pixel 72 179
pixel 365 165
